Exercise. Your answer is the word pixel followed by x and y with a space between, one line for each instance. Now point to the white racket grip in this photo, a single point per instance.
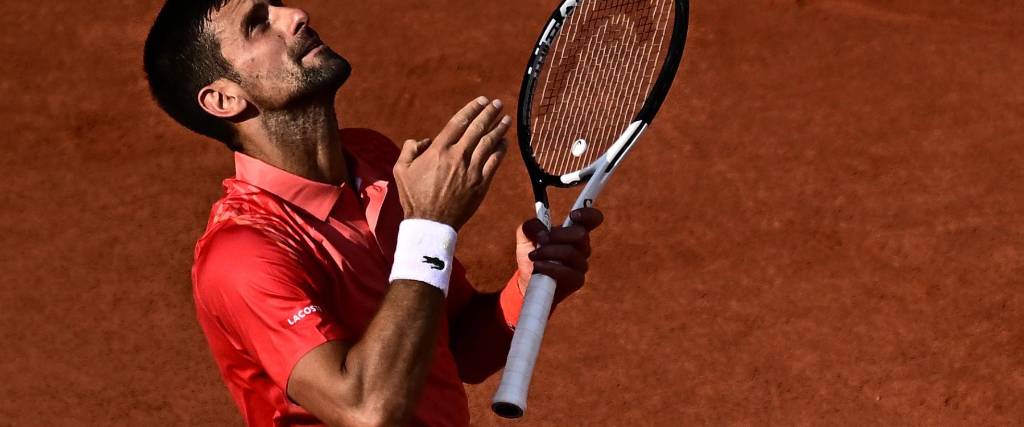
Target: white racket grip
pixel 510 399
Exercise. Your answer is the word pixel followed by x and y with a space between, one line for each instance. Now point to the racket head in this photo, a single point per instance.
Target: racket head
pixel 598 67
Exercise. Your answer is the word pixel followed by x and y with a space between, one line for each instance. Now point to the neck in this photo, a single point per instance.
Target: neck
pixel 302 140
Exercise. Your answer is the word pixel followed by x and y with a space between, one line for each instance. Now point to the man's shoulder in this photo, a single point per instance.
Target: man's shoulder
pixel 238 252
pixel 244 214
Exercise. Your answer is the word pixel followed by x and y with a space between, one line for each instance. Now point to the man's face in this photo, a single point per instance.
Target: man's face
pixel 275 53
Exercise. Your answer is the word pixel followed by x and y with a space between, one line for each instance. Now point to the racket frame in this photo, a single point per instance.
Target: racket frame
pixel 510 398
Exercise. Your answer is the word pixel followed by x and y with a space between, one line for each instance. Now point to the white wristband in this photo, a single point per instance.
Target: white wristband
pixel 424 252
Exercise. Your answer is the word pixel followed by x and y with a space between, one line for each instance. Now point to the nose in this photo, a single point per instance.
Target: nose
pixel 291 19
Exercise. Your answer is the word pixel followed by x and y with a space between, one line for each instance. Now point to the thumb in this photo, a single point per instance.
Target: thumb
pixel 531 233
pixel 412 149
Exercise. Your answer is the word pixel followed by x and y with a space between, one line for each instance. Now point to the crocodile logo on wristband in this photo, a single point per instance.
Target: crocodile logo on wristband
pixel 435 263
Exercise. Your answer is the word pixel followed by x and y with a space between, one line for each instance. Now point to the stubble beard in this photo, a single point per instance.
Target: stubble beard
pixel 306 108
pixel 321 82
pixel 303 86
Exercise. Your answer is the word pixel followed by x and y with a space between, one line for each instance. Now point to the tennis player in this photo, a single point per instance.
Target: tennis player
pixel 326 283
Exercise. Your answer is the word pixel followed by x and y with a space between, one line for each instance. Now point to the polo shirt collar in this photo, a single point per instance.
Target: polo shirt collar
pixel 317 198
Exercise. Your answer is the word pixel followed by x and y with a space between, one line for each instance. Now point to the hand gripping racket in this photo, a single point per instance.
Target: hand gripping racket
pixel 594 82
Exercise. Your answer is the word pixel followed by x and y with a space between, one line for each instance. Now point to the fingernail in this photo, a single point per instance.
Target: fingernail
pixel 497 103
pixel 506 120
pixel 482 100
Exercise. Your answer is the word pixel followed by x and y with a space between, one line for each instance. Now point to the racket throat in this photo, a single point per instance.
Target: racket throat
pixel 543 214
pixel 622 145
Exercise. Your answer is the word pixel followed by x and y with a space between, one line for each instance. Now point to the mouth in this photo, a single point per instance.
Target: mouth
pixel 314 46
pixel 311 47
pixel 316 49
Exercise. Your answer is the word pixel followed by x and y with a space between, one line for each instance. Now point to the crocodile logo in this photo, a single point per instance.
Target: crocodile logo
pixel 435 263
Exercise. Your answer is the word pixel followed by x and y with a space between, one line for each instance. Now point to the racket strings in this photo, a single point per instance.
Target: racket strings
pixel 600 70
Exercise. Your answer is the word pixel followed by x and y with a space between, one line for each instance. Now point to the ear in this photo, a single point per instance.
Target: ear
pixel 223 98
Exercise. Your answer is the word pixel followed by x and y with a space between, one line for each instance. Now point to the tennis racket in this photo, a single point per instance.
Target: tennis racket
pixel 595 80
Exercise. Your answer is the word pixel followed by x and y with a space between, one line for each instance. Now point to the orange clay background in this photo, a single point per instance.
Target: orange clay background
pixel 825 225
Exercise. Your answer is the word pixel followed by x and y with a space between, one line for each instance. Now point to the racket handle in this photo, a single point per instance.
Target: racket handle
pixel 510 399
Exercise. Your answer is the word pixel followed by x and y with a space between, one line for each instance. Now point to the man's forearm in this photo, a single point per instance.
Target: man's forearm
pixel 390 361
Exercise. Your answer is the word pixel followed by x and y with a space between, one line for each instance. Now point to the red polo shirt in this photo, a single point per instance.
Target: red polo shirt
pixel 287 264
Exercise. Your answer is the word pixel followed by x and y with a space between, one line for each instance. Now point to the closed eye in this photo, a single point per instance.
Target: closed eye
pixel 257 18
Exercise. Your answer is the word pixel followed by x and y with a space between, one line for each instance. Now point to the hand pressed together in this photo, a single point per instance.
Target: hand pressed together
pixel 446 178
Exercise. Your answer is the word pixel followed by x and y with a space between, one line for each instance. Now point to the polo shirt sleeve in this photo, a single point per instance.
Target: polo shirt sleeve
pixel 262 294
pixel 511 301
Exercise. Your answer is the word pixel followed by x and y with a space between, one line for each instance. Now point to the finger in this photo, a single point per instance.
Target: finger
pixel 535 231
pixel 492 164
pixel 456 127
pixel 412 149
pixel 589 218
pixel 422 146
pixel 570 234
pixel 490 142
pixel 481 126
pixel 574 235
pixel 568 279
pixel 567 255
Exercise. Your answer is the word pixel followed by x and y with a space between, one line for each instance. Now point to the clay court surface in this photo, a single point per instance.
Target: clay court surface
pixel 825 226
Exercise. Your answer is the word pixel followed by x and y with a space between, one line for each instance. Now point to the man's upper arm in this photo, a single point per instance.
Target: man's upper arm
pixel 263 294
pixel 316 383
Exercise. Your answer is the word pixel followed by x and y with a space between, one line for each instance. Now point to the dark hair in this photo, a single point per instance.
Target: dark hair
pixel 181 56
